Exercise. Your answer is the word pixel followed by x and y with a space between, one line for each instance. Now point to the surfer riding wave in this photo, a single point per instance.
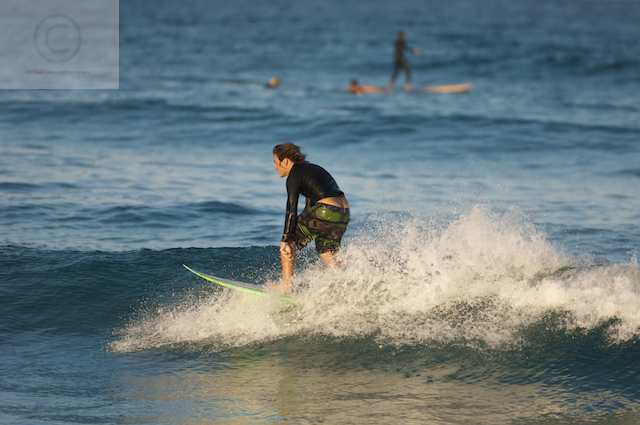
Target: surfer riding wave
pixel 324 218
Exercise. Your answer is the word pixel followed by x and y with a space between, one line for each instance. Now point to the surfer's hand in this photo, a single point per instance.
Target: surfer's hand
pixel 286 249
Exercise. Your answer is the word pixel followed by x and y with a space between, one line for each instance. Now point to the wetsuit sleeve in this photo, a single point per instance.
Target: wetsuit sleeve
pixel 291 217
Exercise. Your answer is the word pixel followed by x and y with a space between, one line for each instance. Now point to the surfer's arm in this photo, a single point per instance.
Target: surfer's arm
pixel 291 217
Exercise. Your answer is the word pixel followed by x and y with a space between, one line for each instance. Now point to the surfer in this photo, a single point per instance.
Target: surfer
pixel 400 61
pixel 325 216
pixel 356 88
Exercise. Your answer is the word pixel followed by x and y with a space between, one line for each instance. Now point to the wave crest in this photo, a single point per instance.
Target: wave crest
pixel 481 280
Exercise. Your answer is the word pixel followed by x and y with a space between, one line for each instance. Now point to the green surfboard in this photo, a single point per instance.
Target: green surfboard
pixel 246 288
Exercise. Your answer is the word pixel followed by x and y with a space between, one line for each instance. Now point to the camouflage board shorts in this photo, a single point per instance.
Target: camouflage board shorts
pixel 323 223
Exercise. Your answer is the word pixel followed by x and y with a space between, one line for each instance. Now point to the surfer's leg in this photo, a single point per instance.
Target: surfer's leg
pixel 394 74
pixel 301 238
pixel 288 261
pixel 407 72
pixel 407 75
pixel 327 250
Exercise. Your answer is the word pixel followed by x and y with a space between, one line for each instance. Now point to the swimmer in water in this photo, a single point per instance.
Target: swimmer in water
pixel 273 83
pixel 355 88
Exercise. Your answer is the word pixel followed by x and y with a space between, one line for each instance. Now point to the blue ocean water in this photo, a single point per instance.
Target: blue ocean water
pixel 492 272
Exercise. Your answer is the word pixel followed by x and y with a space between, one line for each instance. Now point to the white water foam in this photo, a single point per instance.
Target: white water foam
pixel 478 280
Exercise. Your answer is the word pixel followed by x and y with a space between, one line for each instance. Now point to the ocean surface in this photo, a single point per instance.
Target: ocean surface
pixel 492 271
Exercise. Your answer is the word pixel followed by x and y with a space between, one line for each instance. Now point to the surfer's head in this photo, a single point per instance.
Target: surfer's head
pixel 285 156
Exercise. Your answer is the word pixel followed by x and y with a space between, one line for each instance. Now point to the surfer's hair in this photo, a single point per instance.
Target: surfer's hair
pixel 289 150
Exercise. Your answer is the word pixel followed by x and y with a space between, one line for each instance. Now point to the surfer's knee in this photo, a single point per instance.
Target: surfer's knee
pixel 329 258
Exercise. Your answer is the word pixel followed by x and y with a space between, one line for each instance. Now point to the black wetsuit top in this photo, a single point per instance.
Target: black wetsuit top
pixel 312 181
pixel 399 47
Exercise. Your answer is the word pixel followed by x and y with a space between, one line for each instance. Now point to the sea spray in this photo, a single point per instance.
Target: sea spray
pixel 480 281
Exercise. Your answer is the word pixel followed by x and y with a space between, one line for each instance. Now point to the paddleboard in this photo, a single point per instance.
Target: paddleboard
pixel 244 287
pixel 450 88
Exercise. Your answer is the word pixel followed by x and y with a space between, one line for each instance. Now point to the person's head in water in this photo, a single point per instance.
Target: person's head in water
pixel 354 83
pixel 285 156
pixel 273 82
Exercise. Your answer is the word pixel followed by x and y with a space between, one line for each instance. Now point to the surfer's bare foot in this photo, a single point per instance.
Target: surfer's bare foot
pixel 408 87
pixel 281 288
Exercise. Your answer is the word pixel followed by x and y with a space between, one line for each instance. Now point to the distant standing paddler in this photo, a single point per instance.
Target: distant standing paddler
pixel 400 61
